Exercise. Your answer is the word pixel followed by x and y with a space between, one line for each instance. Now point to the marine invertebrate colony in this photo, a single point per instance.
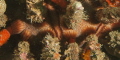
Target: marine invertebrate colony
pixel 35 11
pixel 3 17
pixel 23 52
pixel 2 7
pixel 64 29
pixel 51 49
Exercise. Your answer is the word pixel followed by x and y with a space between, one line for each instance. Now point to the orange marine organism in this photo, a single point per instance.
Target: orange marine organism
pixel 114 3
pixel 4 36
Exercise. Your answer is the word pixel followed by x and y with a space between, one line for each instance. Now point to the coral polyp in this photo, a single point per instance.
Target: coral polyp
pixel 3 17
pixel 59 29
pixel 51 48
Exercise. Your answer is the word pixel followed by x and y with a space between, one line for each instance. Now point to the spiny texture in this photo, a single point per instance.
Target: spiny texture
pixel 51 48
pixel 109 15
pixel 74 14
pixel 114 39
pixel 23 51
pixel 3 17
pixel 95 47
pixel 72 52
pixel 35 10
pixel 2 7
pixel 112 47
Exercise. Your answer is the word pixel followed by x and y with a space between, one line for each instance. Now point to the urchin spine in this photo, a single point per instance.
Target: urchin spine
pixel 51 48
pixel 35 10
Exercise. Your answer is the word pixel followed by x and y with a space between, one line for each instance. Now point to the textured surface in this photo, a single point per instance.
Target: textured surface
pixel 2 7
pixel 35 10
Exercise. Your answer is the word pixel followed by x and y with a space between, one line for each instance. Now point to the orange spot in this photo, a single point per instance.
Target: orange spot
pixel 56 55
pixel 116 3
pixel 61 3
pixel 86 55
pixel 4 36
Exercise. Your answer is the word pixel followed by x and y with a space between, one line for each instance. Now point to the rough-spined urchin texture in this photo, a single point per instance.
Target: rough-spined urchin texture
pixel 23 51
pixel 113 46
pixel 3 19
pixel 72 52
pixel 95 47
pixel 51 48
pixel 2 7
pixel 35 11
pixel 74 13
pixel 115 39
pixel 109 15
